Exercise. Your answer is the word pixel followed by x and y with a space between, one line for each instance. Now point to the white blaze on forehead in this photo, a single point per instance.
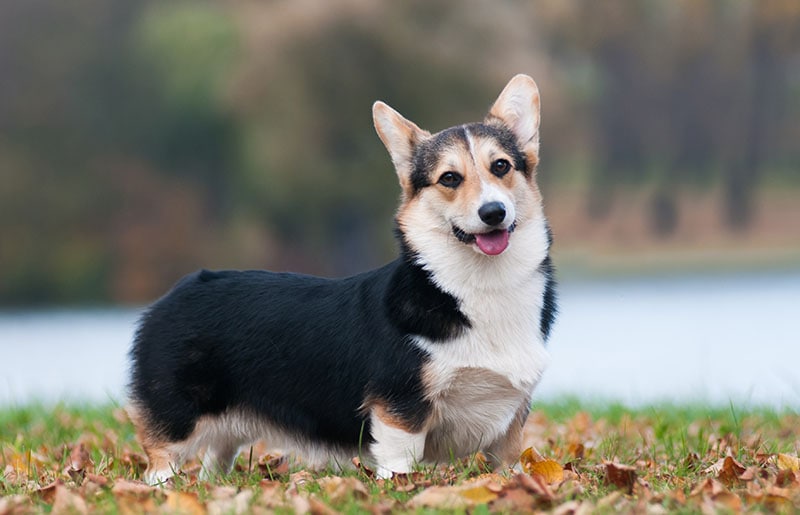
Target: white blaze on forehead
pixel 490 192
pixel 471 146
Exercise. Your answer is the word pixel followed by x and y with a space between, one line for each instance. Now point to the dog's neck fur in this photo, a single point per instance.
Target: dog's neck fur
pixel 500 296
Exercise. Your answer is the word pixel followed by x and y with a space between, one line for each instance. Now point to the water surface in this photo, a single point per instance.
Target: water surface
pixel 685 339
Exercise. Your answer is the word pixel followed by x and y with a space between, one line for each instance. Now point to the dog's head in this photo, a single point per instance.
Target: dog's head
pixel 475 183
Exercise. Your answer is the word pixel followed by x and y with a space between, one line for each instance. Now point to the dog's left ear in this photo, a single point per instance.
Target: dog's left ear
pixel 517 108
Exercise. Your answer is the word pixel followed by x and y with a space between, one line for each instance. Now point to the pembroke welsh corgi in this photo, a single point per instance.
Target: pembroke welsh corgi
pixel 432 356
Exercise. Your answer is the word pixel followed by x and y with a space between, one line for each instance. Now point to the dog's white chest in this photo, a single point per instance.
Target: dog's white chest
pixel 478 382
pixel 504 338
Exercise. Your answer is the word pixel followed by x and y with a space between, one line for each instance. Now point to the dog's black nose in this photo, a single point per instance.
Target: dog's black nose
pixel 492 213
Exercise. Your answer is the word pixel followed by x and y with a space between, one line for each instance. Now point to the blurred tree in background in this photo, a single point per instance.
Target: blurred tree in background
pixel 140 140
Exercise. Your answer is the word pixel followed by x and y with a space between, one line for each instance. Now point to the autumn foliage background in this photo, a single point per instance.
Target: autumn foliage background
pixel 140 140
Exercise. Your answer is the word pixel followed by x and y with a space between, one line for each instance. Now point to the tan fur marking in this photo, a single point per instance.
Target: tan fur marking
pixel 159 458
pixel 506 450
pixel 386 417
pixel 466 407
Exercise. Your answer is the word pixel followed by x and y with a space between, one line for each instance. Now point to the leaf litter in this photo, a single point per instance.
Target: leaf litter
pixel 574 462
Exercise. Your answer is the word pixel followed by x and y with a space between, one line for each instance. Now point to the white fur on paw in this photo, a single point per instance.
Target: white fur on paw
pixel 383 473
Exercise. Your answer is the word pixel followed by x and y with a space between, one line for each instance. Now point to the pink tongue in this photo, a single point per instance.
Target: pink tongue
pixel 492 243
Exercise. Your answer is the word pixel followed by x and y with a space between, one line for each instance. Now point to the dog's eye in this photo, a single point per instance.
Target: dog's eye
pixel 500 167
pixel 450 179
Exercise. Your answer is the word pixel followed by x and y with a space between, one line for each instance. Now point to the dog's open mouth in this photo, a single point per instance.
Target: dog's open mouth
pixel 491 243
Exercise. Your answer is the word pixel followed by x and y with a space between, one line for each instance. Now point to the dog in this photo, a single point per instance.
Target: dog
pixel 430 357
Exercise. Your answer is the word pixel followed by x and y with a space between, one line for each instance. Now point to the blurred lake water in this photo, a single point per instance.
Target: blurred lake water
pixel 684 339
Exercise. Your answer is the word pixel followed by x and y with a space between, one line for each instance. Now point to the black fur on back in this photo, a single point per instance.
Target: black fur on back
pixel 301 352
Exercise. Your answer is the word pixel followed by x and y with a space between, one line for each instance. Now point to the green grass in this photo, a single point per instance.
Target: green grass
pixel 671 448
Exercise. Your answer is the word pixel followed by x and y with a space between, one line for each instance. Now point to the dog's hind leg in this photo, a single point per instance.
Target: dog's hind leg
pixel 218 459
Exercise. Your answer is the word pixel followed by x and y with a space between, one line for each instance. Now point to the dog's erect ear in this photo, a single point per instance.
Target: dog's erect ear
pixel 517 108
pixel 399 135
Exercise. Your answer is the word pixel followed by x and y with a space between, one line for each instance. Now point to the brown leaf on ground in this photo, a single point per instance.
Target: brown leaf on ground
pixel 300 504
pixel 270 465
pixel 68 502
pixel 98 479
pixel 135 462
pixel 442 497
pixel 514 500
pixel 576 450
pixel 318 507
pixel 339 489
pixel 774 499
pixel 468 494
pixel 787 462
pixel 787 479
pixel 537 486
pixel 134 488
pixel 549 470
pixel 730 470
pixel 362 467
pixel 621 476
pixel 237 504
pixel 692 461
pixel 535 464
pixel 727 500
pixel 48 492
pixel 707 486
pixel 79 457
pixel 298 479
pixel 271 493
pixel 185 503
pixel 14 504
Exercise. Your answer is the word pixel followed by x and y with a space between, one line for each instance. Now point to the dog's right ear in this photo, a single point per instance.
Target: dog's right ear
pixel 399 135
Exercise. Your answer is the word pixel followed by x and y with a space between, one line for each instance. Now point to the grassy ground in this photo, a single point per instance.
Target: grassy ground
pixel 586 458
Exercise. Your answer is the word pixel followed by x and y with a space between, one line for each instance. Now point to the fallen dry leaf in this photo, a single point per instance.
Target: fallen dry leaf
pixel 185 503
pixel 79 457
pixel 787 478
pixel 621 476
pixel 270 465
pixel 535 485
pixel 134 488
pixel 576 450
pixel 13 504
pixel 535 464
pixel 318 507
pixel 469 494
pixel 237 504
pixel 787 462
pixel 514 500
pixel 727 500
pixel 707 486
pixel 442 497
pixel 68 502
pixel 549 470
pixel 97 479
pixel 48 492
pixel 300 504
pixel 339 489
pixel 730 470
pixel 480 494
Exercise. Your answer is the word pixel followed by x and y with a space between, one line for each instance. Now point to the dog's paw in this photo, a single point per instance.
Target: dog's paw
pixel 383 473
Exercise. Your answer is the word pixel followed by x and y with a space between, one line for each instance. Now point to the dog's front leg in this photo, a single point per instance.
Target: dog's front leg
pixel 397 447
pixel 506 450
